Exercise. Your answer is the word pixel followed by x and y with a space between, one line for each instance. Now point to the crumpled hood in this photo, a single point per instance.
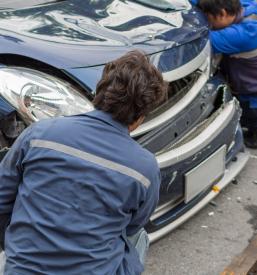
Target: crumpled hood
pixel 75 33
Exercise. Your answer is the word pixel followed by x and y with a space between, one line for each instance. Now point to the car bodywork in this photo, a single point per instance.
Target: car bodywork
pixel 67 43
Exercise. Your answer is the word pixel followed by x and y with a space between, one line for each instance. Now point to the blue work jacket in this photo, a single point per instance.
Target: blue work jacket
pixel 74 188
pixel 238 37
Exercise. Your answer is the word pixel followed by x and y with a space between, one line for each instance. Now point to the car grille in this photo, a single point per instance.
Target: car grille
pixel 179 125
pixel 219 103
pixel 176 91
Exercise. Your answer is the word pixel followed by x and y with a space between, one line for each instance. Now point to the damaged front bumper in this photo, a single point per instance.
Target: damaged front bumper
pixel 199 151
pixel 178 216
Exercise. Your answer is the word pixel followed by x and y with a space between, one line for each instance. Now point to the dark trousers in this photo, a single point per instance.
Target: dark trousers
pixel 249 116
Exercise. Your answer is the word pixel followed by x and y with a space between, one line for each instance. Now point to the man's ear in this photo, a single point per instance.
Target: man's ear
pixel 223 13
pixel 136 123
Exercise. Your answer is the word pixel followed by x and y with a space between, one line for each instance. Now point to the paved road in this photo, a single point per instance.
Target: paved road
pixel 206 244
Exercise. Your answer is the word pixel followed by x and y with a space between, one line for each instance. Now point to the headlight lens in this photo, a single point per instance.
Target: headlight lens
pixel 36 95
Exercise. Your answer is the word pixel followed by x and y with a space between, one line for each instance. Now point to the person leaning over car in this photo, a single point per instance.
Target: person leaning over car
pixel 74 188
pixel 234 34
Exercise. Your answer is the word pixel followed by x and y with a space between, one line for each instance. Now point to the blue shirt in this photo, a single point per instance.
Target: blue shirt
pixel 74 188
pixel 238 37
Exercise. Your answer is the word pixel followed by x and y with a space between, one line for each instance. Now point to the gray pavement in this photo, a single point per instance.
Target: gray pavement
pixel 205 245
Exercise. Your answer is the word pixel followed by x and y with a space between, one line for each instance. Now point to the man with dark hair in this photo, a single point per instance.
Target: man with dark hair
pixel 234 35
pixel 78 190
pixel 220 13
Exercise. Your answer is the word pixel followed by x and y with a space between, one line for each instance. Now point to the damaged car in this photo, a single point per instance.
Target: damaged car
pixel 52 54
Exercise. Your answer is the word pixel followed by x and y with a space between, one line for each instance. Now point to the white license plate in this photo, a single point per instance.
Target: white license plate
pixel 205 174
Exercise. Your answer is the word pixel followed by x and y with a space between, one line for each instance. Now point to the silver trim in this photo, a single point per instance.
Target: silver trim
pixel 172 112
pixel 92 158
pixel 164 208
pixel 182 104
pixel 202 140
pixel 189 67
pixel 233 169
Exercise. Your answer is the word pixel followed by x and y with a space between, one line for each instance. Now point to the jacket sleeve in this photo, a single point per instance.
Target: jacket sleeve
pixel 10 176
pixel 243 2
pixel 142 215
pixel 235 39
pixel 194 2
pixel 246 3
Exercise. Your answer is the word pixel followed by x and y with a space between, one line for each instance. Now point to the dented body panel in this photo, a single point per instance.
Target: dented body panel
pixel 94 33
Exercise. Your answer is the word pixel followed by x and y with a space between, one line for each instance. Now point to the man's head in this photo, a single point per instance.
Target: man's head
pixel 221 13
pixel 130 88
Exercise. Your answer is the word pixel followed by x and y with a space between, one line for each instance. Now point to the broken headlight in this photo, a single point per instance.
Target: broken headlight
pixel 36 95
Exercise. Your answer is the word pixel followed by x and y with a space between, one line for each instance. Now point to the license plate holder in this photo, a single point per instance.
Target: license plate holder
pixel 205 174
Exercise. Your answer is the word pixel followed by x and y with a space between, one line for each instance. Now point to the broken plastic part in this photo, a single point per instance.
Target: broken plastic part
pixel 11 127
pixel 176 91
pixel 3 141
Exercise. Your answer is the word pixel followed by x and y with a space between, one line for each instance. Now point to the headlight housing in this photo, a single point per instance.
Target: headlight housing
pixel 36 95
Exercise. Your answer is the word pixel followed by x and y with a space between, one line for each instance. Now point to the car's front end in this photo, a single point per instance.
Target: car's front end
pixel 52 56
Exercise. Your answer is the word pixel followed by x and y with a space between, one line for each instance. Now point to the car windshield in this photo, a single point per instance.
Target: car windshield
pixel 19 4
pixel 166 5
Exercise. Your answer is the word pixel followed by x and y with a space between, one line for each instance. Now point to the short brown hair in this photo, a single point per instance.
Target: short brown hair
pixel 130 87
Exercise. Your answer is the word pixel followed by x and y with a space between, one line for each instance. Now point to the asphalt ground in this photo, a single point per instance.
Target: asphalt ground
pixel 208 242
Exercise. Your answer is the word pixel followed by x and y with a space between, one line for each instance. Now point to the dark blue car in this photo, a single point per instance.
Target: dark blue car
pixel 52 54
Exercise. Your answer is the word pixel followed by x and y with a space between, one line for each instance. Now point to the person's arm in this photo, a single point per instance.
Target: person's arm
pixel 235 39
pixel 10 177
pixel 194 2
pixel 246 3
pixel 142 215
pixel 243 2
pixel 250 7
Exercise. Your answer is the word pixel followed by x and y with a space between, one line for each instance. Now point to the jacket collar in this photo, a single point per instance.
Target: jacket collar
pixel 106 117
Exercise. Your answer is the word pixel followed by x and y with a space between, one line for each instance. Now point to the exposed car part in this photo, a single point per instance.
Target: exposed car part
pixel 176 91
pixel 3 143
pixel 177 126
pixel 191 92
pixel 10 128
